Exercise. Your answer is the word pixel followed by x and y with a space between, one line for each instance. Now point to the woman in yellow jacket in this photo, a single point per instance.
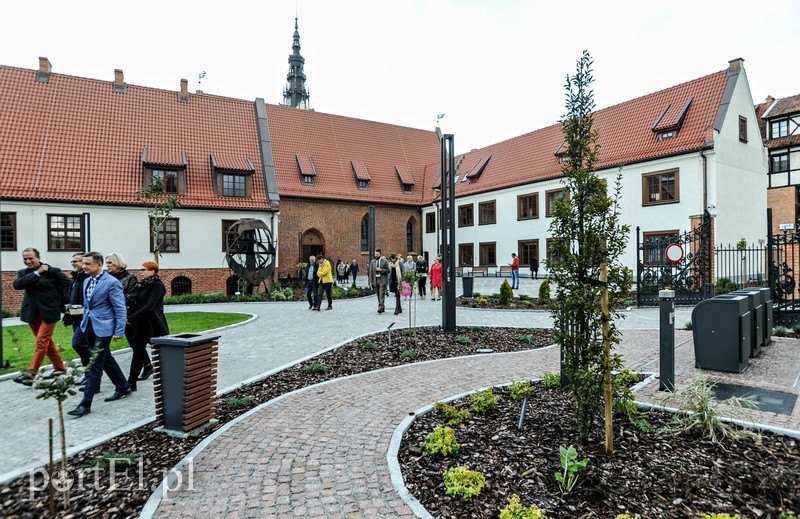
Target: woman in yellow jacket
pixel 325 275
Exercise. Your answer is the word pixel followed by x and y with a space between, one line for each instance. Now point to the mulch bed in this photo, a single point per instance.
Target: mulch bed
pixel 159 452
pixel 654 474
pixel 493 303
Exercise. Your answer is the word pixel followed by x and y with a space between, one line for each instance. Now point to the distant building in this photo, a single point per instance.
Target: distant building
pixel 779 121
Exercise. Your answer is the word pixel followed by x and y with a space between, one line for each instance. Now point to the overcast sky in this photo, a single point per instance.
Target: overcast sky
pixel 496 69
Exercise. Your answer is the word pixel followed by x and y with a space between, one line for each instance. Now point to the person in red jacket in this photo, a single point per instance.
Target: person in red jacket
pixel 436 280
pixel 514 271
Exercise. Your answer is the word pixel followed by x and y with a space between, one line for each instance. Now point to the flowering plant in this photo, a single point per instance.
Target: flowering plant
pixel 405 289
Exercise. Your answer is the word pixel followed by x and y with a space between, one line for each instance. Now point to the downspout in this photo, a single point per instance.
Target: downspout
pixel 705 181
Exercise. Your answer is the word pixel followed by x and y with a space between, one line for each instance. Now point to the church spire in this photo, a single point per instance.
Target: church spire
pixel 295 93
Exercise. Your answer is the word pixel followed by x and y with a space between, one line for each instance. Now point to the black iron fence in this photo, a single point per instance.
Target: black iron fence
pixel 740 266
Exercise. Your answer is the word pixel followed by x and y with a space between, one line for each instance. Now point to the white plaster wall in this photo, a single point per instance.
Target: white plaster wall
pixel 507 231
pixel 740 177
pixel 124 230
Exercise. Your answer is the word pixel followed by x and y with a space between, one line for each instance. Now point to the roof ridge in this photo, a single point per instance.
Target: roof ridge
pixel 129 85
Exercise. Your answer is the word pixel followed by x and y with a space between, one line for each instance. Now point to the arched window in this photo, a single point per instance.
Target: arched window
pixel 410 235
pixel 181 285
pixel 365 234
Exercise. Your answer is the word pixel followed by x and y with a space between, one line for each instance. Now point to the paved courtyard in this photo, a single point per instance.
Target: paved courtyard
pixel 327 450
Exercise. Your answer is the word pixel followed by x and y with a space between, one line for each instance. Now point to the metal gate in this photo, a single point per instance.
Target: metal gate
pixel 682 262
pixel 783 258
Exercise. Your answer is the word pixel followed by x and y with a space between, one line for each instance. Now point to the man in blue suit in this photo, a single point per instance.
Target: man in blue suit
pixel 104 317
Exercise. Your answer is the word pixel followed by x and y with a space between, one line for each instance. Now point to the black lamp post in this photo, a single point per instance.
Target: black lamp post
pixel 448 197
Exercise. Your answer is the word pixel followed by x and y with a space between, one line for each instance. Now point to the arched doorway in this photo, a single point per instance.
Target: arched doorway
pixel 311 243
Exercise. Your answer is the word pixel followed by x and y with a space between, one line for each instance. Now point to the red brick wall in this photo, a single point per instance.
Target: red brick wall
pixel 204 281
pixel 339 223
pixel 782 202
pixel 12 299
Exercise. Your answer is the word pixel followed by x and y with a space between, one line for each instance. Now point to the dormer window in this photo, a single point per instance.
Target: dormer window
pixel 362 173
pixel 307 169
pixel 166 168
pixel 406 180
pixel 670 121
pixel 476 170
pixel 232 177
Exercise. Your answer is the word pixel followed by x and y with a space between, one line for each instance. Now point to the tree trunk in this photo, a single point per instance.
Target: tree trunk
pixel 606 359
pixel 63 453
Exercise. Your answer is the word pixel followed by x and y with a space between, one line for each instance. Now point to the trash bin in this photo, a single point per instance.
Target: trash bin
pixel 766 297
pixel 758 309
pixel 722 331
pixel 185 381
pixel 466 281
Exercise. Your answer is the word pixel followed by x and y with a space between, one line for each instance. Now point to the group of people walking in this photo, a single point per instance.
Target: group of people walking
pixel 102 305
pixel 345 271
pixel 386 274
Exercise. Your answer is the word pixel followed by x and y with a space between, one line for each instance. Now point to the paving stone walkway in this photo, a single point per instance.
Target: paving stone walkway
pixel 322 451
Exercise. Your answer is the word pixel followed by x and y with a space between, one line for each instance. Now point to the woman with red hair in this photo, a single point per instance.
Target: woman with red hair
pixel 148 321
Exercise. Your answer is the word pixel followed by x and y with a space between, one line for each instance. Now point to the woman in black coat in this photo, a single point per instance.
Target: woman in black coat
pixel 148 321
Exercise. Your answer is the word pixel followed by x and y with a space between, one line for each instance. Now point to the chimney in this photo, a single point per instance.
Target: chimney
pixel 43 76
pixel 183 96
pixel 735 65
pixel 119 82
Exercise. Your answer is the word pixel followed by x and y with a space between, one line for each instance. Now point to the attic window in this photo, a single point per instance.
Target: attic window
pixel 233 177
pixel 362 174
pixel 167 167
pixel 307 169
pixel 670 121
pixel 561 151
pixel 405 177
pixel 476 170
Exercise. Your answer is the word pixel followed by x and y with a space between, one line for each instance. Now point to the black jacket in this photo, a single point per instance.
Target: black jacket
pixel 44 293
pixel 148 318
pixel 314 279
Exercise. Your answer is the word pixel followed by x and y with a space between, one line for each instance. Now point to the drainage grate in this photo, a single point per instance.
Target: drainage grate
pixel 766 400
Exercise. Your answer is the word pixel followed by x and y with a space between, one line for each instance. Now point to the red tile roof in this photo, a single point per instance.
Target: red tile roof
pixel 337 143
pixel 625 136
pixel 785 106
pixel 74 139
pixel 773 109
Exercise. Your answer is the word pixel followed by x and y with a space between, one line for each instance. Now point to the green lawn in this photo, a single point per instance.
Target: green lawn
pixel 18 343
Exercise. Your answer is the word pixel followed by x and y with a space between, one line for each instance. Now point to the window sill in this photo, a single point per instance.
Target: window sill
pixel 651 204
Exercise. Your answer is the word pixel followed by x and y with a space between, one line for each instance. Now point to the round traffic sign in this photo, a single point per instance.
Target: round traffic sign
pixel 674 253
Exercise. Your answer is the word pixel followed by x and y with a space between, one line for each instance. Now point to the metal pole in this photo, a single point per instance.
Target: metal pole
pixel 448 235
pixel 371 231
pixel 666 353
